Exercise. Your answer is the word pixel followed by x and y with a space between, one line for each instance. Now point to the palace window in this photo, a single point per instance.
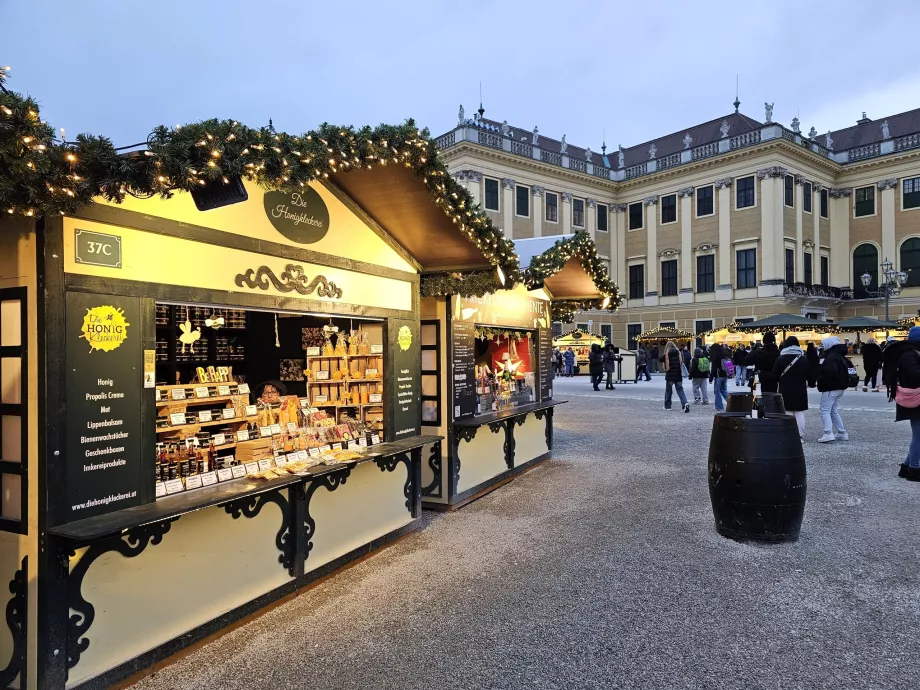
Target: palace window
pixel 491 194
pixel 669 278
pixel 910 261
pixel 808 268
pixel 790 266
pixel 789 191
pixel 864 200
pixel 633 331
pixel 865 260
pixel 706 273
pixel 704 205
pixel 669 209
pixel 578 213
pixel 824 203
pixel 637 281
pixel 825 271
pixel 635 216
pixel 602 213
pixel 746 266
pixel 522 201
pixel 552 207
pixel 911 193
pixel 806 199
pixel 744 192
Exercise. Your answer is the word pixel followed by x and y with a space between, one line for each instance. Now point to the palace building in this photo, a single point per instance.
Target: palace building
pixel 728 220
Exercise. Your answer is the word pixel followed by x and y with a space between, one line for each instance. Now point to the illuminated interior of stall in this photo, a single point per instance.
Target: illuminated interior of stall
pixel 504 368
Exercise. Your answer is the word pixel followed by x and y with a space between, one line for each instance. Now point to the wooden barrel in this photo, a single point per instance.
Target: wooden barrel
pixel 740 402
pixel 757 479
pixel 772 403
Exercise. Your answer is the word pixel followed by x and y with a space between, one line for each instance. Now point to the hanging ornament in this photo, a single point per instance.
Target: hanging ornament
pixel 188 336
pixel 214 322
pixel 277 341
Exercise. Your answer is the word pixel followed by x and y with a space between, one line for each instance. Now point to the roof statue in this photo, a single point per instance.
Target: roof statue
pixel 886 133
pixel 588 154
pixel 536 136
pixel 795 126
pixel 563 147
pixel 724 128
pixel 621 157
pixel 652 151
pixel 812 133
pixel 688 140
pixel 829 142
pixel 768 112
pixel 461 114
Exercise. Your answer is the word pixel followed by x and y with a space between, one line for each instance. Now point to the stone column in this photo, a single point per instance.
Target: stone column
pixel 591 217
pixel 839 212
pixel 724 283
pixel 800 230
pixel 537 210
pixel 651 252
pixel 566 212
pixel 685 295
pixel 889 247
pixel 508 207
pixel 771 231
pixel 618 244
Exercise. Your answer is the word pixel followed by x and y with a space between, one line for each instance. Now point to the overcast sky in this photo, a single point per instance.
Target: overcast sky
pixel 632 70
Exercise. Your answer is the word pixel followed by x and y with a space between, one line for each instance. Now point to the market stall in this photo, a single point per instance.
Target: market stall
pixel 579 342
pixel 489 356
pixel 210 399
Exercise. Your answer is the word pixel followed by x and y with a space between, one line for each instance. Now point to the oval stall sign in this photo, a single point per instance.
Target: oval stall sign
pixel 300 216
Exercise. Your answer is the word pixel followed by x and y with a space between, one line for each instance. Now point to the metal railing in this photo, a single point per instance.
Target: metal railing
pixel 826 291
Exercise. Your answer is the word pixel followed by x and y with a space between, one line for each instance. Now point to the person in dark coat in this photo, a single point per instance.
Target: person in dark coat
pixel 833 380
pixel 763 359
pixel 673 376
pixel 739 358
pixel 792 373
pixel 718 377
pixel 699 374
pixel 611 357
pixel 901 374
pixel 872 361
pixel 654 358
pixel 642 364
pixel 596 365
pixel 814 361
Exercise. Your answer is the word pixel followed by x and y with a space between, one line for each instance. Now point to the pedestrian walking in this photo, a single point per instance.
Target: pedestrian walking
pixel 642 365
pixel 872 361
pixel 718 376
pixel 833 380
pixel 739 359
pixel 686 357
pixel 596 365
pixel 763 360
pixel 673 378
pixel 699 376
pixel 901 374
pixel 654 359
pixel 814 361
pixel 569 358
pixel 793 374
pixel 611 357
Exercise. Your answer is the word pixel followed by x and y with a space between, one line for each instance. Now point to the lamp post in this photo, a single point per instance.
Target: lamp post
pixel 891 287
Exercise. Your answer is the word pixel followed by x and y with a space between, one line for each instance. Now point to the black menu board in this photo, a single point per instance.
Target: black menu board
pixel 463 361
pixel 403 387
pixel 103 389
pixel 545 357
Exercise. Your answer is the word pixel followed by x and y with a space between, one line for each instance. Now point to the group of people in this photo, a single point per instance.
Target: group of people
pixel 563 361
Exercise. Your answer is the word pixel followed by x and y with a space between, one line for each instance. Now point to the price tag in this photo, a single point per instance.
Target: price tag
pixel 375 398
pixel 202 392
pixel 317 399
pixel 157 398
pixel 238 471
pixel 370 372
pixel 264 464
pixel 304 403
pixel 174 486
pixel 282 460
pixel 228 413
pixel 322 375
pixel 204 415
pixel 242 435
pixel 314 452
pixel 161 488
pixel 191 442
pixel 193 482
pixel 228 458
pixel 178 394
pixel 291 427
pixel 209 478
pixel 243 389
pixel 265 431
pixel 223 391
pixel 219 439
pixel 375 439
pixel 276 429
pixel 313 352
pixel 225 474
pixel 362 442
pixel 251 411
pixel 352 445
pixel 325 449
pixel 252 467
pixel 377 349
pixel 302 454
pixel 177 418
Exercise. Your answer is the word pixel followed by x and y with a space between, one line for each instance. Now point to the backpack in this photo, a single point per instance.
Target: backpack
pixel 852 375
pixel 729 367
pixel 702 365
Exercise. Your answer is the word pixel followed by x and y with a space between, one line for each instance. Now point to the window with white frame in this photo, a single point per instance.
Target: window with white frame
pixel 806 198
pixel 633 331
pixel 864 201
pixel 636 216
pixel 668 209
pixel 789 191
pixel 492 195
pixel 704 201
pixel 578 213
pixel 602 217
pixel 910 190
pixel 746 268
pixel 824 203
pixel 552 207
pixel 522 201
pixel 745 196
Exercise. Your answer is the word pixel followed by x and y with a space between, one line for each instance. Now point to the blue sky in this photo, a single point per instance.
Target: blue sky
pixel 631 70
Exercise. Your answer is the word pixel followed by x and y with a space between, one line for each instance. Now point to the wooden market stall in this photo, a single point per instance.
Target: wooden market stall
pixel 580 343
pixel 210 399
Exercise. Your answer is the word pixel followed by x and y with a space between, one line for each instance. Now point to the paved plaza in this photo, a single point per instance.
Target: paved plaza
pixel 602 569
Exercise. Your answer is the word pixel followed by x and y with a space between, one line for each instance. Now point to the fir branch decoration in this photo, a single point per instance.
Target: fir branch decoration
pixel 473 284
pixel 550 262
pixel 40 175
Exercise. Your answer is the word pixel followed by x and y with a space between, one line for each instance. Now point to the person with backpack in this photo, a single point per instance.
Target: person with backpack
pixel 901 374
pixel 699 375
pixel 721 370
pixel 872 360
pixel 792 373
pixel 833 380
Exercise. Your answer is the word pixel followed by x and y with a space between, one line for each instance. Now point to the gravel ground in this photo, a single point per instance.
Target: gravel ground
pixel 601 569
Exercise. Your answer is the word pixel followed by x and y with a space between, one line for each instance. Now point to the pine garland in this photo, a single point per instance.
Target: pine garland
pixel 474 284
pixel 550 262
pixel 40 175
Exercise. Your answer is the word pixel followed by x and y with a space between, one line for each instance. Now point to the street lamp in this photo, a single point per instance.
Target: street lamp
pixel 891 287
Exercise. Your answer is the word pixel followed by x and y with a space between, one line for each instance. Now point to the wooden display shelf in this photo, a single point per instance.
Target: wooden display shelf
pixel 327 382
pixel 186 427
pixel 196 401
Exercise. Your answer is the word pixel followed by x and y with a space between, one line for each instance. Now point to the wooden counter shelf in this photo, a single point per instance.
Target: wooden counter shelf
pixel 187 427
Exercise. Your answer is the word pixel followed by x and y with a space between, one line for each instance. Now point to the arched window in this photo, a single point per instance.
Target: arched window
pixel 910 260
pixel 865 260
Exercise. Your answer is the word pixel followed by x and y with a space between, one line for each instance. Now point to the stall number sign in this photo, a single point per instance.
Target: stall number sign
pixel 97 249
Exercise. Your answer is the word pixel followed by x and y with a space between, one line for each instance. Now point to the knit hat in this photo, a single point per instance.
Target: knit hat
pixel 697 352
pixel 914 333
pixel 769 339
pixel 832 340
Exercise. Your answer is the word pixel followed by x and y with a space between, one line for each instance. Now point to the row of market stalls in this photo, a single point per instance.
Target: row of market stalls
pixel 238 360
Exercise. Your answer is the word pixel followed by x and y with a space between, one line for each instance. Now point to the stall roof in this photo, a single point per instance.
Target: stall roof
pixel 572 281
pixel 399 203
pixel 866 323
pixel 783 321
